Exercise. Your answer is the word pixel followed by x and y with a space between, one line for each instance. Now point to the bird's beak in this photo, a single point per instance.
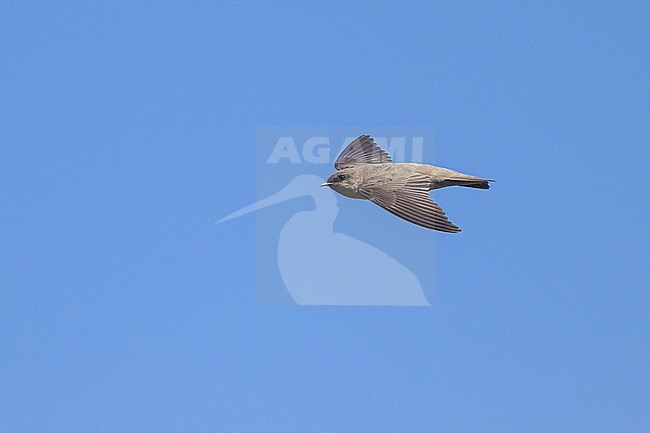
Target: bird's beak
pixel 325 184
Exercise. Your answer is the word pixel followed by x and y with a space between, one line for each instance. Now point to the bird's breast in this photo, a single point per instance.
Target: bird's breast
pixel 348 192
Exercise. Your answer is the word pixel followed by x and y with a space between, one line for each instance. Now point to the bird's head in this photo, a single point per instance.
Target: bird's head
pixel 345 182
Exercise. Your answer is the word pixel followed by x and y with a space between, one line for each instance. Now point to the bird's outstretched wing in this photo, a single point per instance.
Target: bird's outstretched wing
pixel 408 197
pixel 362 150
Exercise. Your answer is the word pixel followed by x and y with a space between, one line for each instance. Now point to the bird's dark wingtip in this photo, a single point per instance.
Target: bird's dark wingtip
pixel 450 230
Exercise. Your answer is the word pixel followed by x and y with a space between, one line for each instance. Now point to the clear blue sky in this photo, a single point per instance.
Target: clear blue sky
pixel 129 128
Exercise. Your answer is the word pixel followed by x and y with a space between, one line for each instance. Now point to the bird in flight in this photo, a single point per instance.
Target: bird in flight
pixel 365 171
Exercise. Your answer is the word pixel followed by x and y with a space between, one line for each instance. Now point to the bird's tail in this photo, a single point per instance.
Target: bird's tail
pixel 471 183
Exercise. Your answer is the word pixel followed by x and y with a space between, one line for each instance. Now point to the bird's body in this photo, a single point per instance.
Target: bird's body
pixel 439 177
pixel 367 172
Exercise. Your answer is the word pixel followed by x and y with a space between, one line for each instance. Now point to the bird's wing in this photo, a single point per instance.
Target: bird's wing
pixel 362 150
pixel 407 196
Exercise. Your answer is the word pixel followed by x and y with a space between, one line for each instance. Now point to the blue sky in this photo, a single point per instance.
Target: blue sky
pixel 129 128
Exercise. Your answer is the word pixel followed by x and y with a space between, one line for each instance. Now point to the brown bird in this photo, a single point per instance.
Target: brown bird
pixel 366 172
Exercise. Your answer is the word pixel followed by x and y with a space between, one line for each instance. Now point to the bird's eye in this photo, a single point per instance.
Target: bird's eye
pixel 341 177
